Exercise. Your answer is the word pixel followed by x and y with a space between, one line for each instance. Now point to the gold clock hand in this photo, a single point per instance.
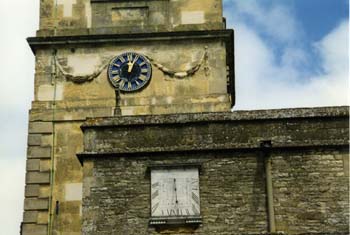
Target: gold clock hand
pixel 131 64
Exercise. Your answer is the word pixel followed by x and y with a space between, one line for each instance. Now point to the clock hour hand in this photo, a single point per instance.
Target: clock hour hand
pixel 131 64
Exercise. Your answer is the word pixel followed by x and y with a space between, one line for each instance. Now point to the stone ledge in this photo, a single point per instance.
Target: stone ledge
pixel 296 113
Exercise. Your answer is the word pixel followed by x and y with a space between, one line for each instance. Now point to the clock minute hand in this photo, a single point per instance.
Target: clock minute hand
pixel 131 64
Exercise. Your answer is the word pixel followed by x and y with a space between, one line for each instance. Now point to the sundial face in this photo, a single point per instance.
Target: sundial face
pixel 175 193
pixel 130 70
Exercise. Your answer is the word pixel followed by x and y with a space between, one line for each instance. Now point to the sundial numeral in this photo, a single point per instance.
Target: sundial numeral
pixel 171 212
pixel 115 72
pixel 144 70
pixel 154 208
pixel 195 210
pixel 155 194
pixel 142 63
pixel 195 198
pixel 154 185
pixel 117 65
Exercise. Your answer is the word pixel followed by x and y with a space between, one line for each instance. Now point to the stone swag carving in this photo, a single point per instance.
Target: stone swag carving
pixel 167 71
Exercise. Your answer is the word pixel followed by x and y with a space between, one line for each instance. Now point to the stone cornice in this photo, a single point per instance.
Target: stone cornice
pixel 245 115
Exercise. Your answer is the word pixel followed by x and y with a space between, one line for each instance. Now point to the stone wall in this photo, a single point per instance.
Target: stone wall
pixel 204 91
pixel 83 17
pixel 309 158
pixel 310 192
pixel 37 189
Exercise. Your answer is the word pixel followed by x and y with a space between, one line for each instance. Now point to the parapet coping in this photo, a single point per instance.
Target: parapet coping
pixel 244 115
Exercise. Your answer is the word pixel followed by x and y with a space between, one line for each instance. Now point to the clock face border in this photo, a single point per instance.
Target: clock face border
pixel 130 71
pixel 175 195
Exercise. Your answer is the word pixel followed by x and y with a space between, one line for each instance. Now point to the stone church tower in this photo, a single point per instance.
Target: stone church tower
pixel 131 132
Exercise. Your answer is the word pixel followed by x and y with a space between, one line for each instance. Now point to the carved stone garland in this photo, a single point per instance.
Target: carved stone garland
pixel 165 70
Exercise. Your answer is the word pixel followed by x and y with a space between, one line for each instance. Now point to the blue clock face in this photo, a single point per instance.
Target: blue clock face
pixel 130 70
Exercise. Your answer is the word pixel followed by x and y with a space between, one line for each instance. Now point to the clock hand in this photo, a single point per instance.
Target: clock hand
pixel 131 64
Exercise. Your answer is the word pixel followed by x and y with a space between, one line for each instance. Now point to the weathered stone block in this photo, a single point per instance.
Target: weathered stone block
pixel 39 152
pixel 33 165
pixel 36 204
pixel 40 127
pixel 43 217
pixel 30 216
pixel 346 164
pixel 45 165
pixel 34 229
pixel 32 190
pixel 34 140
pixel 37 178
pixel 44 191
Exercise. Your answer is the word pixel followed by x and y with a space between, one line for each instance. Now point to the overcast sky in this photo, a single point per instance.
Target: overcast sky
pixel 288 54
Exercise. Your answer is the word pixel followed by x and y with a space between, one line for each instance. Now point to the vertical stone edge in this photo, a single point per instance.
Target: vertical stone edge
pixel 36 198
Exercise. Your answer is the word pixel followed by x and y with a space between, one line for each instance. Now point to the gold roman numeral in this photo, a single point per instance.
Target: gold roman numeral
pixel 136 58
pixel 142 77
pixel 121 58
pixel 129 55
pixel 116 78
pixel 122 83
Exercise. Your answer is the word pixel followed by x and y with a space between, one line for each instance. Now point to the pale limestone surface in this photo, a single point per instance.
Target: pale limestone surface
pixel 71 16
pixel 198 93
